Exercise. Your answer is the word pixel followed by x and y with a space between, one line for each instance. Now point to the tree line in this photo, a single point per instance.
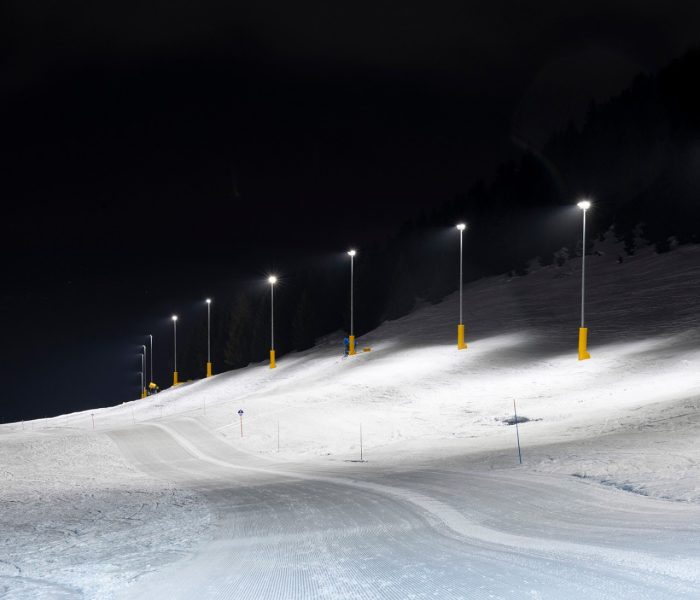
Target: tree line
pixel 636 156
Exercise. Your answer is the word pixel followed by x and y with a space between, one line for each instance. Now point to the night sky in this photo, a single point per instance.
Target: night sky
pixel 154 154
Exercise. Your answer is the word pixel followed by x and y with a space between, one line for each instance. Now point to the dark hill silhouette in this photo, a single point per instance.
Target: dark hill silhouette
pixel 636 156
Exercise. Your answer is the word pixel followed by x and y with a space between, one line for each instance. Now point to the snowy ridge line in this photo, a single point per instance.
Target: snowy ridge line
pixel 685 569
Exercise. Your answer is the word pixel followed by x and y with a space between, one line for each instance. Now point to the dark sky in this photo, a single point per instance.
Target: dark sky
pixel 153 152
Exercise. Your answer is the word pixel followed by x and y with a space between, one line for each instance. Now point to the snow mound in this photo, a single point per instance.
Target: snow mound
pixel 77 516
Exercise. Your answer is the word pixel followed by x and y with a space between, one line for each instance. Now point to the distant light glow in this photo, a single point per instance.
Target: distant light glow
pixel 208 301
pixel 461 226
pixel 174 317
pixel 272 280
pixel 584 204
pixel 351 253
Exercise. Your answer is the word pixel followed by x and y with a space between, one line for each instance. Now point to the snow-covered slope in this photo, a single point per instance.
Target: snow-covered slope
pixel 618 431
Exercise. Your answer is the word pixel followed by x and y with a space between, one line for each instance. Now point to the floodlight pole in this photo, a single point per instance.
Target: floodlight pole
pixel 583 354
pixel 209 369
pixel 583 268
pixel 143 371
pixel 272 280
pixel 461 273
pixel 152 377
pixel 351 339
pixel 175 382
pixel 461 345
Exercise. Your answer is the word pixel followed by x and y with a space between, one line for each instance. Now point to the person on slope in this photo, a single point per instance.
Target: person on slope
pixel 346 344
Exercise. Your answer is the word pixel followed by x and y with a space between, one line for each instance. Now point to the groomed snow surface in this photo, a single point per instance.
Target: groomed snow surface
pixel 166 499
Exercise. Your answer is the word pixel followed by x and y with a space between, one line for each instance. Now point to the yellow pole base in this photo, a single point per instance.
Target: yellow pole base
pixel 272 359
pixel 460 337
pixel 175 382
pixel 583 343
pixel 143 393
pixel 351 350
pixel 209 369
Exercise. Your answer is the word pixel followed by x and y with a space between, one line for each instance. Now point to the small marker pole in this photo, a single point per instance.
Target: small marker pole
pixel 361 459
pixel 517 432
pixel 240 414
pixel 93 420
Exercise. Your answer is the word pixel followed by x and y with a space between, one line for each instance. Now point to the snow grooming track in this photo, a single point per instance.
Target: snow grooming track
pixel 679 578
pixel 26 587
pixel 441 510
pixel 77 521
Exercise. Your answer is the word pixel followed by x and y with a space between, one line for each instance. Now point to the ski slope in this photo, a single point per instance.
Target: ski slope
pixel 166 499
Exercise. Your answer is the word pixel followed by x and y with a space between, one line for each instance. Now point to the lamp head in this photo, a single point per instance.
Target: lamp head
pixel 584 204
pixel 461 226
pixel 272 280
pixel 174 317
pixel 351 253
pixel 208 300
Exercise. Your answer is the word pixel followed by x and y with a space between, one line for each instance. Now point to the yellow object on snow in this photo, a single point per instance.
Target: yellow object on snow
pixel 583 344
pixel 460 337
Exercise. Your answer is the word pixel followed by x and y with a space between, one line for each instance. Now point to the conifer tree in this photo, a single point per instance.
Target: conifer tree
pixel 302 326
pixel 401 294
pixel 238 334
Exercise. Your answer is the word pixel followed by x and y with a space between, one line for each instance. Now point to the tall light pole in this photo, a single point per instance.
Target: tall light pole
pixel 143 372
pixel 583 354
pixel 152 378
pixel 461 345
pixel 272 280
pixel 175 350
pixel 209 337
pixel 351 254
pixel 143 379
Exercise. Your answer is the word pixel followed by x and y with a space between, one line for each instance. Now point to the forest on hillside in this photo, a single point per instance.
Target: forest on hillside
pixel 636 156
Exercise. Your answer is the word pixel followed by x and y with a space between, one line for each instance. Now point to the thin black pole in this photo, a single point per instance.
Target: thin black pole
pixel 517 432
